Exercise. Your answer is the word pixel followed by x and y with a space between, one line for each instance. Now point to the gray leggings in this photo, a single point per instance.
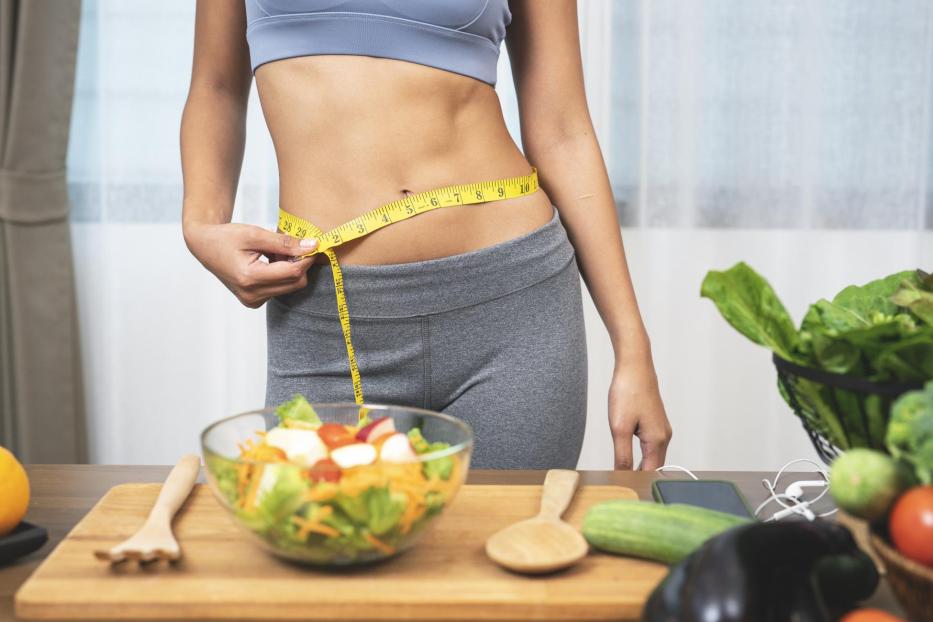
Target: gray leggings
pixel 493 336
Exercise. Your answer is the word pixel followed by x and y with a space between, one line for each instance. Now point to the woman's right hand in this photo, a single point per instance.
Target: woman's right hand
pixel 232 252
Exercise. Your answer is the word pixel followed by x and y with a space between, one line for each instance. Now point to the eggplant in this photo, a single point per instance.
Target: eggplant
pixel 765 572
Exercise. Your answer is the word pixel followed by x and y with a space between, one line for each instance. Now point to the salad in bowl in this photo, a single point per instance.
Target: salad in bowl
pixel 336 484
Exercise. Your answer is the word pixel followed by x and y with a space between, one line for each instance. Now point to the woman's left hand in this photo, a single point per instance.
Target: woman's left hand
pixel 635 409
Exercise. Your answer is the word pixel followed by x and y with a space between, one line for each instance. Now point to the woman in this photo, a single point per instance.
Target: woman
pixel 471 309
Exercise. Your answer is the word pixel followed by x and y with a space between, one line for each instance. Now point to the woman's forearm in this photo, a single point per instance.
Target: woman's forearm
pixel 213 137
pixel 573 173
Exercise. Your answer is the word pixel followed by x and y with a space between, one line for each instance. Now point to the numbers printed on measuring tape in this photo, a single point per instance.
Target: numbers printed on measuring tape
pixel 411 205
pixel 402 209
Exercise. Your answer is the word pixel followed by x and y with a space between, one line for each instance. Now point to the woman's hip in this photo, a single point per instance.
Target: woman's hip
pixel 509 304
pixel 432 286
pixel 513 366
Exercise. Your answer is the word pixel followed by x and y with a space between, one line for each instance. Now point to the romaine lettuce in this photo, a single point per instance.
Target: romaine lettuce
pixel 298 409
pixel 439 467
pixel 880 331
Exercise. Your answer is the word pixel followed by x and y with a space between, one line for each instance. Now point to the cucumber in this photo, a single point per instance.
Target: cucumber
pixel 664 533
pixel 865 482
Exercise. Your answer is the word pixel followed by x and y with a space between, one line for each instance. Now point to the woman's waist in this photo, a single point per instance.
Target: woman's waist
pixel 332 200
pixel 441 284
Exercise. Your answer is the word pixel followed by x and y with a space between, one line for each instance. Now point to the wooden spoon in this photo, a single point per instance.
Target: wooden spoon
pixel 544 543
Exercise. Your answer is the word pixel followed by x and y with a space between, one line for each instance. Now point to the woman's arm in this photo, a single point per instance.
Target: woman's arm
pixel 558 138
pixel 213 135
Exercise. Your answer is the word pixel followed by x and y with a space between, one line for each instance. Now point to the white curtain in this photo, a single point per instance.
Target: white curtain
pixel 794 135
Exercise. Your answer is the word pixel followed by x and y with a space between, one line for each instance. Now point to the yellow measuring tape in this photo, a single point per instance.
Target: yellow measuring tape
pixel 401 209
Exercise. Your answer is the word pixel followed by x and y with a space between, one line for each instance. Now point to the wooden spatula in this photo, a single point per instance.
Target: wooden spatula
pixel 544 543
pixel 155 539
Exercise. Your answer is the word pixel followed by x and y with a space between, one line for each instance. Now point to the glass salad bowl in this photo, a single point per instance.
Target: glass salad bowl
pixel 336 484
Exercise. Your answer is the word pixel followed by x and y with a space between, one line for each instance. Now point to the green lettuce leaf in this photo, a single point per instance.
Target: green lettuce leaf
pixel 747 301
pixel 439 467
pixel 385 509
pixel 910 432
pixel 865 332
pixel 917 295
pixel 298 409
pixel 434 501
pixel 278 501
pixel 378 509
pixel 224 472
pixel 418 441
pixel 879 331
pixel 855 305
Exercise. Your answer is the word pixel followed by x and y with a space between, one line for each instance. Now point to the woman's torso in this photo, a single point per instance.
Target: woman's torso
pixel 353 132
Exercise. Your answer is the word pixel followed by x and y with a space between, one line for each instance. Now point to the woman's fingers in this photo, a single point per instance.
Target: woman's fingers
pixel 259 280
pixel 653 453
pixel 622 442
pixel 261 274
pixel 271 243
pixel 636 409
pixel 256 297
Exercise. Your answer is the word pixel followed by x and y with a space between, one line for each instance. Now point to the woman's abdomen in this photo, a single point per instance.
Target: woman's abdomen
pixel 352 133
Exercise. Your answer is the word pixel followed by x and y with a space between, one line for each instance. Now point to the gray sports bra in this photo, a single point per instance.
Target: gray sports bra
pixel 462 36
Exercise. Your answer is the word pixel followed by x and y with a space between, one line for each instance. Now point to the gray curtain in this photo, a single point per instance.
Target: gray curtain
pixel 41 397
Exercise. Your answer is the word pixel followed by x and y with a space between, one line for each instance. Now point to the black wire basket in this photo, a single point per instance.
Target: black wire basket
pixel 839 411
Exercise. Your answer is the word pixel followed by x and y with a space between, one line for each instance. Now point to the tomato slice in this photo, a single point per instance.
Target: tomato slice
pixel 335 435
pixel 911 524
pixel 324 470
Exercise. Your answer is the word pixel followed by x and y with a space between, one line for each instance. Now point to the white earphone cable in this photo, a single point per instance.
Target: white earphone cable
pixel 789 504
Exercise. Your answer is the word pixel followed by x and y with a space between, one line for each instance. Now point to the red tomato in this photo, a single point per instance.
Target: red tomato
pixel 324 470
pixel 911 524
pixel 335 435
pixel 870 615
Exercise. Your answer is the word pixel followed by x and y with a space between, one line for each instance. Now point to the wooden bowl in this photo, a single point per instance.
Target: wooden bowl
pixel 911 582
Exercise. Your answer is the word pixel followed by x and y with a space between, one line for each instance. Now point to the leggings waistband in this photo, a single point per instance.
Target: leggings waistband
pixel 442 284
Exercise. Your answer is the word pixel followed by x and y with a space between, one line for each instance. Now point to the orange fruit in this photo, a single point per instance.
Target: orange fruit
pixel 14 492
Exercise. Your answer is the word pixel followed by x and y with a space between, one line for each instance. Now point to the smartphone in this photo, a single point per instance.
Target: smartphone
pixel 719 495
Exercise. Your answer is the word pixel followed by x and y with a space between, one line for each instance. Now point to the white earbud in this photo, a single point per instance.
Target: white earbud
pixel 795 490
pixel 791 500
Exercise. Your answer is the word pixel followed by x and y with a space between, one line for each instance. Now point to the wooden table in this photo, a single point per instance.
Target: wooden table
pixel 62 494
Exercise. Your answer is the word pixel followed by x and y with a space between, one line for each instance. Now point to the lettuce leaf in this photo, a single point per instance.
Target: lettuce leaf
pixel 378 509
pixel 880 331
pixel 747 301
pixel 917 295
pixel 385 509
pixel 224 472
pixel 863 302
pixel 282 498
pixel 910 432
pixel 440 467
pixel 298 409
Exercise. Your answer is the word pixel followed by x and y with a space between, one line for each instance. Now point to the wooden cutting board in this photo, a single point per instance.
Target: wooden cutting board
pixel 225 576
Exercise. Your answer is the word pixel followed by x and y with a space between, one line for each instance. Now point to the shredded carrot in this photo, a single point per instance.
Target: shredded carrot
pixel 243 479
pixel 379 545
pixel 322 491
pixel 306 527
pixel 250 500
pixel 413 511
